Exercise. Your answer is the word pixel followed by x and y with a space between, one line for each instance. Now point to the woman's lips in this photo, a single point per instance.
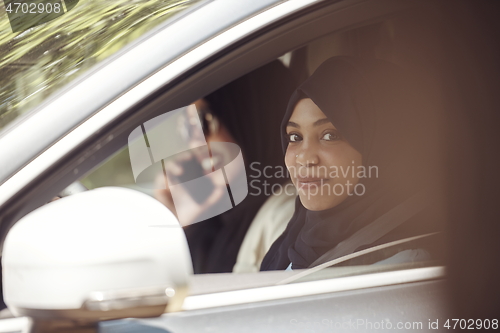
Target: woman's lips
pixel 307 183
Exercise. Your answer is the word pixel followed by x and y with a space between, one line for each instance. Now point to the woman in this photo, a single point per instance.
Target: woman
pixel 357 146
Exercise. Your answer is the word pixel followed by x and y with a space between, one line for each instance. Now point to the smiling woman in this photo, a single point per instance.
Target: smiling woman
pixel 315 146
pixel 356 114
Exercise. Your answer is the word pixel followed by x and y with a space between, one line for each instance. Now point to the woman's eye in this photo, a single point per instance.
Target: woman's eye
pixel 330 137
pixel 294 137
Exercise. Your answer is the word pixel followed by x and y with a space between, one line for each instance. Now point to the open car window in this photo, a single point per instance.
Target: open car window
pixel 170 158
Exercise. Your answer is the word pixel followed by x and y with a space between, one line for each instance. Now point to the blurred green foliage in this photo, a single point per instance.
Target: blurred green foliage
pixel 37 62
pixel 116 171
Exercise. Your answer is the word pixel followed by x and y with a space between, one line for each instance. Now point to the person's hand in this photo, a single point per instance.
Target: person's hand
pixel 186 208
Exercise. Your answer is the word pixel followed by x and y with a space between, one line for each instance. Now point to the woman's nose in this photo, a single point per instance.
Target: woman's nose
pixel 307 156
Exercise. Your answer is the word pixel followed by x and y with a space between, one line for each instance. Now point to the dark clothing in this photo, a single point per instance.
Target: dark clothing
pixel 372 105
pixel 214 243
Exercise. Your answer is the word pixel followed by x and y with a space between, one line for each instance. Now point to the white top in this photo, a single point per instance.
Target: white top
pixel 269 223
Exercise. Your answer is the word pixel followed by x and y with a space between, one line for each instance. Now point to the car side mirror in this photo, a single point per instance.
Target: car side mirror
pixel 102 254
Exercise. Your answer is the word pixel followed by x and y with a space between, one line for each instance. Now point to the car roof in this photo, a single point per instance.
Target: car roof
pixel 46 124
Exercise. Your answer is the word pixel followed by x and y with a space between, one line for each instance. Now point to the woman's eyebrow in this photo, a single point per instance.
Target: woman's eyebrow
pixel 316 123
pixel 321 122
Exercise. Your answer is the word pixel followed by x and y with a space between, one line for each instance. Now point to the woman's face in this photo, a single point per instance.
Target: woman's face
pixel 322 165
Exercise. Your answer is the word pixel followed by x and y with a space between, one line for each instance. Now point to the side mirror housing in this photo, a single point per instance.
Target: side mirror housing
pixel 102 254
